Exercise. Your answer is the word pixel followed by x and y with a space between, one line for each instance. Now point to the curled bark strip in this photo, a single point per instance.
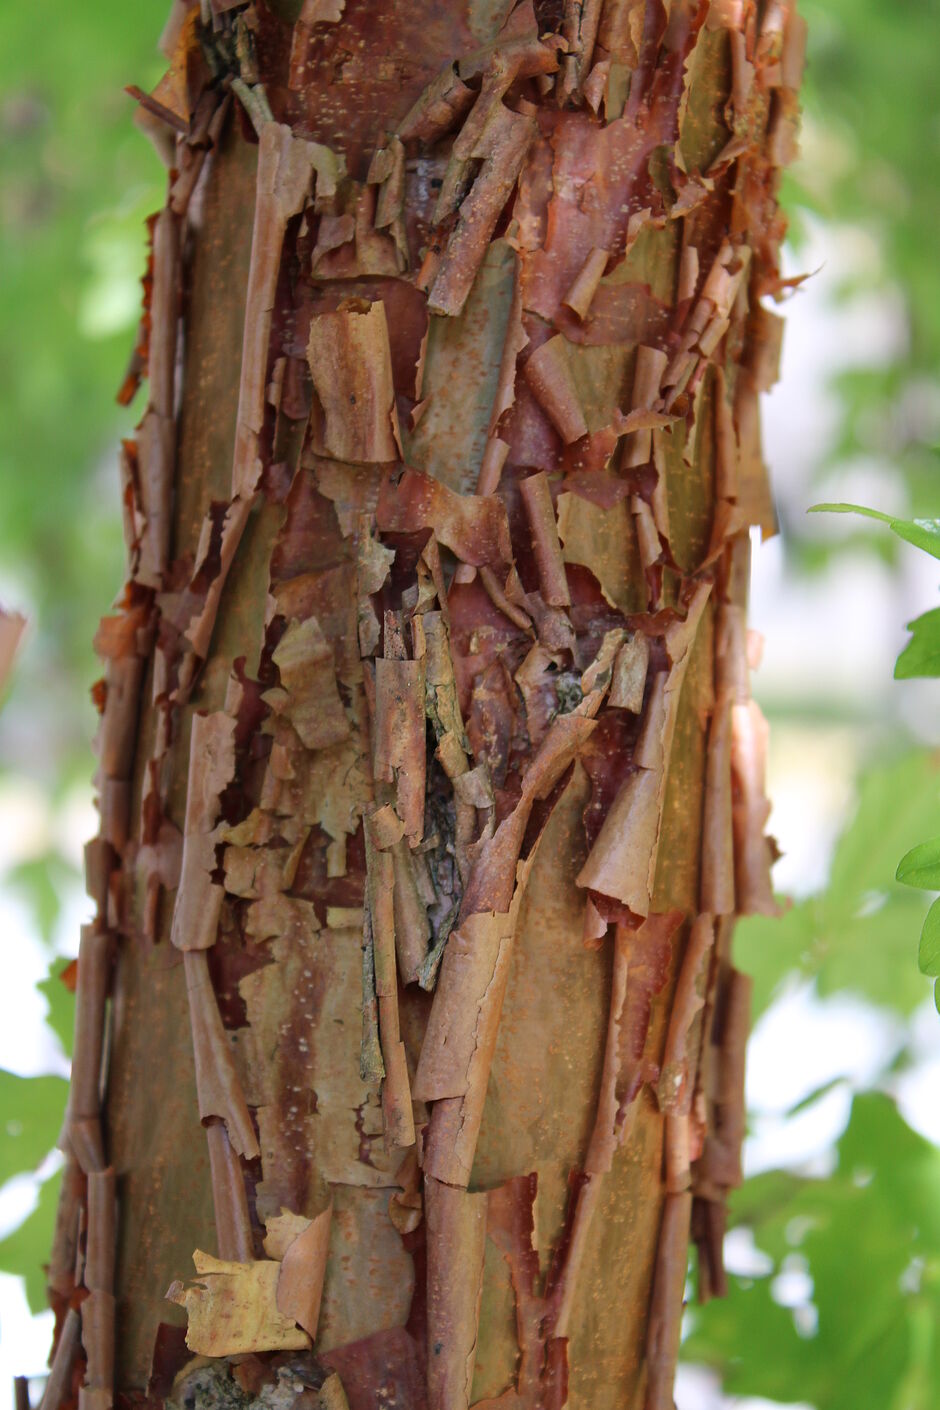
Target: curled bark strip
pixel 548 373
pixel 646 952
pixel 99 859
pixel 217 1084
pixel 211 768
pixel 351 366
pixel 156 436
pixel 680 1057
pixel 191 152
pixel 640 967
pixel 516 338
pixel 708 1231
pixel 229 1200
pixel 98 1340
pixel 301 1245
pixel 605 1136
pixel 717 893
pixel 396 1089
pixel 286 165
pixel 60 1372
pixel 116 738
pixel 412 928
pixel 381 905
pixel 622 861
pixel 650 366
pixel 285 168
pixel 501 602
pixel 502 148
pixel 94 968
pixel 649 544
pixel 102 1230
pixel 750 811
pixel 397 1110
pixel 60 1276
pixel 581 20
pixel 456 1231
pixel 472 971
pixel 439 107
pixel 470 992
pixel 400 738
pixel 710 317
pixel 157 109
pixel 114 806
pixel 200 628
pixel 491 469
pixel 537 498
pixel 86 1141
pixel 582 291
pixel 387 169
pixel 564 1297
pixel 662 1338
pixel 688 276
pixel 491 885
pixel 721 1157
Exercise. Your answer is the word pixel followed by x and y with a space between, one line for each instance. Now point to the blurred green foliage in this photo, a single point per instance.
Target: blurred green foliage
pixel 857 936
pixel 76 182
pixel 32 1113
pixel 872 152
pixel 26 1249
pixel 865 1243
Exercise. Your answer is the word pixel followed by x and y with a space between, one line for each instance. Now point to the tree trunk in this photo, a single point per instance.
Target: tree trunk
pixel 429 778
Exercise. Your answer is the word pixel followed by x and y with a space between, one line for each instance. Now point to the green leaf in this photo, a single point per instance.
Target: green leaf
pixel 859 935
pixel 928 955
pixel 868 1237
pixel 32 1116
pixel 41 883
pixel 26 1251
pixel 61 1001
pixel 921 866
pixel 922 533
pixel 921 655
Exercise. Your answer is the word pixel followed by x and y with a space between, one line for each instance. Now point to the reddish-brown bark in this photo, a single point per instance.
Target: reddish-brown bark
pixel 430 781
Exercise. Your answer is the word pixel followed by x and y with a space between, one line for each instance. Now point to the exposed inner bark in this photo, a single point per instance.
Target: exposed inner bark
pixel 430 780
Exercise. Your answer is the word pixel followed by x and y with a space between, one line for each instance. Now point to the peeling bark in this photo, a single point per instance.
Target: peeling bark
pixel 430 782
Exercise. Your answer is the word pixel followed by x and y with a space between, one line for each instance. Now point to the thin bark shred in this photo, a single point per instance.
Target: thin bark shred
pixel 430 685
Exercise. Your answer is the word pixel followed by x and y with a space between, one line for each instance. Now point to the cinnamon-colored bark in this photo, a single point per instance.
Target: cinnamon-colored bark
pixel 430 780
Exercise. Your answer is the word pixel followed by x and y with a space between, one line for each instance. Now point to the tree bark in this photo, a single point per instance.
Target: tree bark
pixel 430 782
